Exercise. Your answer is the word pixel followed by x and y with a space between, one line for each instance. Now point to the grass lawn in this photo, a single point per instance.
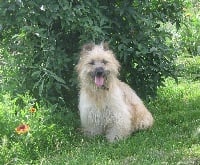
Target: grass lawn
pixel 54 138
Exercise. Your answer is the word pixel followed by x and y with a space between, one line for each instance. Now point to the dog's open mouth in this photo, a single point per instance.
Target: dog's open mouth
pixel 99 80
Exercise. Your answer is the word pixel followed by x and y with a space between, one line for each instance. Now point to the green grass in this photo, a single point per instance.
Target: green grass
pixel 54 137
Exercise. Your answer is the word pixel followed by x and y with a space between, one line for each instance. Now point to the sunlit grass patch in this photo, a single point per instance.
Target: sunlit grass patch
pixel 189 67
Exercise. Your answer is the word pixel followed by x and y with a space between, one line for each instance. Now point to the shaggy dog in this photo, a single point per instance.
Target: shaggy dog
pixel 107 105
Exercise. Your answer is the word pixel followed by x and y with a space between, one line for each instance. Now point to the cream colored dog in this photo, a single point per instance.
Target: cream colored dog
pixel 107 105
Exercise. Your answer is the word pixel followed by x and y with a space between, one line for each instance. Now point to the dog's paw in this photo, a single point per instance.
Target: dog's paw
pixel 112 138
pixel 116 134
pixel 92 132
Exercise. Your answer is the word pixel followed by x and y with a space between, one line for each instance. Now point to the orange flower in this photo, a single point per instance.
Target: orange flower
pixel 22 128
pixel 32 110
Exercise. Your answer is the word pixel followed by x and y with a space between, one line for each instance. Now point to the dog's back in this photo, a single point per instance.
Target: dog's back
pixel 141 117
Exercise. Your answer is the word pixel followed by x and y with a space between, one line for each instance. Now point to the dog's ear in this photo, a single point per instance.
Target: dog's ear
pixel 88 47
pixel 105 46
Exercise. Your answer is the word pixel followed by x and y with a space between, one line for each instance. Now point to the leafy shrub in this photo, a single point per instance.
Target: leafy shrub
pixel 41 41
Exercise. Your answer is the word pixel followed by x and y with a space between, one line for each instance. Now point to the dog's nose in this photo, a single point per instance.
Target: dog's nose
pixel 99 71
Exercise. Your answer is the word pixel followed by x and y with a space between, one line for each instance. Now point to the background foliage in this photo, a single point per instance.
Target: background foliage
pixel 40 41
pixel 189 39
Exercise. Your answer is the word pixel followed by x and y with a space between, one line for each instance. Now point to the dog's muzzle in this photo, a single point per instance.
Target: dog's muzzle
pixel 99 74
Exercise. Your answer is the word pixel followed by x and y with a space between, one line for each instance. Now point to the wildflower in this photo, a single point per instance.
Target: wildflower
pixel 22 128
pixel 188 14
pixel 32 110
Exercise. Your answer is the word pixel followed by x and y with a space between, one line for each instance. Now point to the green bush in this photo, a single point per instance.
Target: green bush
pixel 40 41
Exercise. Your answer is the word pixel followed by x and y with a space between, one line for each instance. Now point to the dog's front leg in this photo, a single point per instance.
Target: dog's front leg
pixel 90 121
pixel 119 129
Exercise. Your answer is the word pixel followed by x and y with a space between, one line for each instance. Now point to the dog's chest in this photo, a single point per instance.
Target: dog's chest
pixel 102 108
pixel 103 115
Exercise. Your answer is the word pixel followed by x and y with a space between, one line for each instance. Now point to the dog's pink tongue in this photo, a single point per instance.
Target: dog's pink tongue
pixel 99 80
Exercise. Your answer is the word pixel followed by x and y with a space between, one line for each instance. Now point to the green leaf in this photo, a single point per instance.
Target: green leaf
pixel 57 78
pixel 36 73
pixel 41 87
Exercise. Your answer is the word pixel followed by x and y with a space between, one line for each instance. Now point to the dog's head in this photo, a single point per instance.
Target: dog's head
pixel 97 65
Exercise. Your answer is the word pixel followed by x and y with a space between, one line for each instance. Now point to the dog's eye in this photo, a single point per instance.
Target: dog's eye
pixel 104 61
pixel 91 62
